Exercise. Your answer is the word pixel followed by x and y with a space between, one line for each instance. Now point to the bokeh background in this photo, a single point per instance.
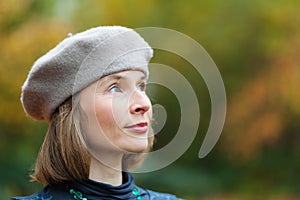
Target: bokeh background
pixel 256 47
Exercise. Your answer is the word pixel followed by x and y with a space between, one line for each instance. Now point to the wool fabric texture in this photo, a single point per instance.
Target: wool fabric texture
pixel 78 61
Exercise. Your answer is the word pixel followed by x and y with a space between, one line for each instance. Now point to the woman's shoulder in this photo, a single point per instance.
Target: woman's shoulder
pixel 36 196
pixel 158 195
pixel 45 195
pixel 41 195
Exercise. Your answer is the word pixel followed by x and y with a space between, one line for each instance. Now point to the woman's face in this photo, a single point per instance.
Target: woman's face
pixel 117 113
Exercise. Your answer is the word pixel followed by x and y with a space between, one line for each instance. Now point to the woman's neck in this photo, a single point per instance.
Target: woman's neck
pixel 108 173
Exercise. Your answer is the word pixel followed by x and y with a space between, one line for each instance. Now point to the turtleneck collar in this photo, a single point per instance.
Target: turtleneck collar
pixel 93 190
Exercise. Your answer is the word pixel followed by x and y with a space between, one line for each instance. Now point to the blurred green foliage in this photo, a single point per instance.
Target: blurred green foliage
pixel 255 45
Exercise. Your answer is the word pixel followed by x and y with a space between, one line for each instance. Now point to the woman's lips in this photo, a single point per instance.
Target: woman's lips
pixel 138 128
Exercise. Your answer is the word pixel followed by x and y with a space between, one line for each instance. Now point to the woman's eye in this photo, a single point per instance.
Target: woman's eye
pixel 141 86
pixel 114 88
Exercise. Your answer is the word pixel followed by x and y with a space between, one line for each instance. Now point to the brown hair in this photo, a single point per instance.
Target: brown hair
pixel 64 155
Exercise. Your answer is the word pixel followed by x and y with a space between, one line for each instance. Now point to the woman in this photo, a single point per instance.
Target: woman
pixel 90 88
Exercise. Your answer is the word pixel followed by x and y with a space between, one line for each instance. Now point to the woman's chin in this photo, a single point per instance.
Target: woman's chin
pixel 136 147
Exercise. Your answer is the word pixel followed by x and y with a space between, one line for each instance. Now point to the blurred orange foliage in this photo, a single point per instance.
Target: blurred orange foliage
pixel 20 46
pixel 260 112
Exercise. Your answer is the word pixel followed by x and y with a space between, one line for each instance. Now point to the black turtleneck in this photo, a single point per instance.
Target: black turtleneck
pixel 92 190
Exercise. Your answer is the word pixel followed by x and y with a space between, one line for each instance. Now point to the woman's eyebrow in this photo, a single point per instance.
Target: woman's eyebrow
pixel 110 78
pixel 143 78
pixel 117 77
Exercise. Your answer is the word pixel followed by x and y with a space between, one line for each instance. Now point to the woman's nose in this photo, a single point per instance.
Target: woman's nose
pixel 140 103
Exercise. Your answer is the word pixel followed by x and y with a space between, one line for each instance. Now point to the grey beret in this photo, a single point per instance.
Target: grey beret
pixel 78 61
